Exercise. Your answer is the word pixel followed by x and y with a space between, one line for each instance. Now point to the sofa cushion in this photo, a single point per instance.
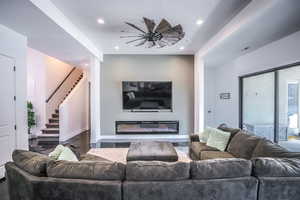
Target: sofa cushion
pixel 242 145
pixel 31 162
pixel 218 139
pixel 86 170
pixel 232 131
pixel 157 171
pixel 205 155
pixel 221 168
pixel 197 147
pixel 276 167
pixel 92 158
pixel 266 148
pixel 152 150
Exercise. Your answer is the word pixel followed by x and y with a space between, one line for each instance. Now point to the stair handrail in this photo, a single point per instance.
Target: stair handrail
pixel 59 86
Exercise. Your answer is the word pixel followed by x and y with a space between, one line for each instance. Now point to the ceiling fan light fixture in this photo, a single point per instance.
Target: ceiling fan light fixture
pixel 159 36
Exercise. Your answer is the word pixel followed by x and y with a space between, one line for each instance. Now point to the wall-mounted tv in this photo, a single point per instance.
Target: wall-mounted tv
pixel 147 96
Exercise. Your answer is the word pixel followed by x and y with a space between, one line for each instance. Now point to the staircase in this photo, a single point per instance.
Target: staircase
pixel 50 135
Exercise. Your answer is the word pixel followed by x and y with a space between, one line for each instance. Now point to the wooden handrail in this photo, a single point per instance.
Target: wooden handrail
pixel 53 93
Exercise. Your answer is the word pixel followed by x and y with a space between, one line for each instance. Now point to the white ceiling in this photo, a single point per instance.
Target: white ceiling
pixel 84 14
pixel 42 33
pixel 279 20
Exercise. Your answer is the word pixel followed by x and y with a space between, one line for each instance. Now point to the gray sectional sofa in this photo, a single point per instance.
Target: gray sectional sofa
pixel 33 176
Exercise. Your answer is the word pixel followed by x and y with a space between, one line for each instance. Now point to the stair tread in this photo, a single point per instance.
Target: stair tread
pixel 49 135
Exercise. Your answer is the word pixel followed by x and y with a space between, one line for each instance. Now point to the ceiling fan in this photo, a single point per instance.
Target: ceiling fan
pixel 161 35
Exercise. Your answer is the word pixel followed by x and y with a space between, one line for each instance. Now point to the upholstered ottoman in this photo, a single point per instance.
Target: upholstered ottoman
pixel 150 151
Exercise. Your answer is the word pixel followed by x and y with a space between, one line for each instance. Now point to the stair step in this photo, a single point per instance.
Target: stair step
pixel 52 125
pixel 53 120
pixel 56 115
pixel 57 111
pixel 49 139
pixel 50 131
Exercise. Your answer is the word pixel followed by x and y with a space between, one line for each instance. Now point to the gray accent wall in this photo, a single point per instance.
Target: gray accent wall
pixel 117 68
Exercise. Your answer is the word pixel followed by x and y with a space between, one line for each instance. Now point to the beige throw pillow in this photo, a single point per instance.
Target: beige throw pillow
pixel 218 139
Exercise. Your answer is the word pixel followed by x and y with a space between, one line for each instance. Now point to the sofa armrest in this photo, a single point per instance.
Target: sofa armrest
pixel 194 138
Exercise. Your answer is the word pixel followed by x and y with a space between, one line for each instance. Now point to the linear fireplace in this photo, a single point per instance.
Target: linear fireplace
pixel 147 127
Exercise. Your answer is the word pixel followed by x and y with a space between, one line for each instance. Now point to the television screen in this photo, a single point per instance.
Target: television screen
pixel 147 96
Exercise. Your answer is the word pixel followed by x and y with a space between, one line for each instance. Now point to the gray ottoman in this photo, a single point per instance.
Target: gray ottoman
pixel 149 151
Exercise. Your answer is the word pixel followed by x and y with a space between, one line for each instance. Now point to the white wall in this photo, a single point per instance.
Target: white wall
pixel 73 112
pixel 44 74
pixel 278 53
pixel 56 71
pixel 15 45
pixel 118 68
pixel 36 84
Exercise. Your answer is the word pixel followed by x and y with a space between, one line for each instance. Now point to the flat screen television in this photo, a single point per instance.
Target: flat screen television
pixel 147 96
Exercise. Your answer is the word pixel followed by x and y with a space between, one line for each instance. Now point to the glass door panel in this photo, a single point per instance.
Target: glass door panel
pixel 258 105
pixel 288 109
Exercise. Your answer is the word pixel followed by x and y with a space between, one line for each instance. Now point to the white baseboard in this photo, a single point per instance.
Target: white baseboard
pixel 133 138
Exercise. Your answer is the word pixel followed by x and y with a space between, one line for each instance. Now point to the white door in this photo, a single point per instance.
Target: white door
pixel 7 111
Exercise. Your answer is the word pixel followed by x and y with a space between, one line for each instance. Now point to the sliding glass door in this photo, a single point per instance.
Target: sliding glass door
pixel 288 107
pixel 258 105
pixel 270 105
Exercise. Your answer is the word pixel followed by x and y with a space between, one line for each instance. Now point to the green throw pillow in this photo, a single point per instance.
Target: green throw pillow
pixel 203 136
pixel 56 152
pixel 68 155
pixel 218 139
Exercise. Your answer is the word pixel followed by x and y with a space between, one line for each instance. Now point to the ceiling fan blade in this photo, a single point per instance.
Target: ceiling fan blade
pixel 149 24
pixel 141 43
pixel 163 26
pixel 134 40
pixel 135 27
pixel 161 44
pixel 131 36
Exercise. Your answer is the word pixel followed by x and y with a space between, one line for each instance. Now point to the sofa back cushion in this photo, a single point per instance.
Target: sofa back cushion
pixel 221 168
pixel 31 162
pixel 157 171
pixel 276 167
pixel 86 170
pixel 266 148
pixel 232 131
pixel 242 145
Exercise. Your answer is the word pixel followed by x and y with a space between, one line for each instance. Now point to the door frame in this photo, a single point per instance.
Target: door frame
pixel 275 70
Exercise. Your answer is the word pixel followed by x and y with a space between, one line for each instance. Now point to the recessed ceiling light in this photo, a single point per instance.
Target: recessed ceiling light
pixel 100 21
pixel 85 64
pixel 117 48
pixel 199 22
pixel 181 48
